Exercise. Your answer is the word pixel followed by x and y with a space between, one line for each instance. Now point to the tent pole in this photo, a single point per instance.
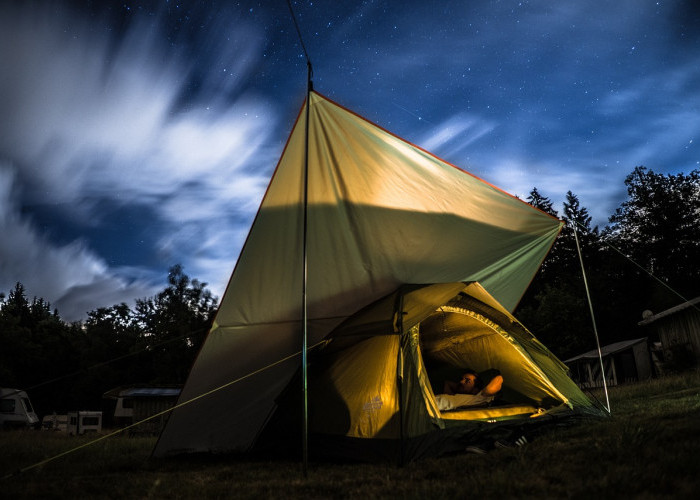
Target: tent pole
pixel 399 375
pixel 305 389
pixel 305 419
pixel 590 306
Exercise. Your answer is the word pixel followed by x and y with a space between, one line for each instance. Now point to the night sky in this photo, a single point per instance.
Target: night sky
pixel 138 135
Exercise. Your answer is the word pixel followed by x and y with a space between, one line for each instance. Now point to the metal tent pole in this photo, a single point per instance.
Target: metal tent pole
pixel 590 306
pixel 400 380
pixel 304 363
pixel 305 419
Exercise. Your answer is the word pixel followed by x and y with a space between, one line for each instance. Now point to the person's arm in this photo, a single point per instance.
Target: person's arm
pixel 493 387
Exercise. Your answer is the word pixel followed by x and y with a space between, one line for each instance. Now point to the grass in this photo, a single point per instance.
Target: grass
pixel 648 448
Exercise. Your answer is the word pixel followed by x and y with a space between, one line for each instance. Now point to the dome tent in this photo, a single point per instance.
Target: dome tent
pixel 373 382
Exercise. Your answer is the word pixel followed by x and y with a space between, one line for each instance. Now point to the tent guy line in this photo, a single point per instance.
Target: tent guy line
pixel 151 417
pixel 635 263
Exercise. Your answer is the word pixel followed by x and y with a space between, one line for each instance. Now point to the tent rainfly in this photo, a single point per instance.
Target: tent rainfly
pixel 413 268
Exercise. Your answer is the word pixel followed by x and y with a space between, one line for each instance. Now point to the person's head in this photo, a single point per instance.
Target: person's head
pixel 469 383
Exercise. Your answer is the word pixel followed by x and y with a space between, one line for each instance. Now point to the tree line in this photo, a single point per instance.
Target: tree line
pixel 69 366
pixel 645 258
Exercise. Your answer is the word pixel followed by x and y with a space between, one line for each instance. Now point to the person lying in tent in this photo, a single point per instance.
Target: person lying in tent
pixel 469 391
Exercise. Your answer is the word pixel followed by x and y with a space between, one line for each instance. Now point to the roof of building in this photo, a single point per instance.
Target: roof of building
pixel 143 392
pixel 685 305
pixel 137 392
pixel 607 350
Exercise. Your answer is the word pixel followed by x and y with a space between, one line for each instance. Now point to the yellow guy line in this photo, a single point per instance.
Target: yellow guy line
pixel 179 405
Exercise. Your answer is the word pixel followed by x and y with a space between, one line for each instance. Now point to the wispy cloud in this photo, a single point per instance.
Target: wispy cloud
pixel 455 134
pixel 66 275
pixel 89 117
pixel 597 190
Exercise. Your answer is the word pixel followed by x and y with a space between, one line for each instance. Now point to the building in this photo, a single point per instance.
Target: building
pixel 624 362
pixel 143 405
pixel 678 329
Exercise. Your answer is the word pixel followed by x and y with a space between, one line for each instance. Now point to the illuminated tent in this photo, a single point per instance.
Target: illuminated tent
pixel 386 223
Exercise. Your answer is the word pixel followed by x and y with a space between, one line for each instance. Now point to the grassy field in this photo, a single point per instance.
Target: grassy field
pixel 648 448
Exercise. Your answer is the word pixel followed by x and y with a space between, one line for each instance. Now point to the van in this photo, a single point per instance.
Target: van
pixel 16 410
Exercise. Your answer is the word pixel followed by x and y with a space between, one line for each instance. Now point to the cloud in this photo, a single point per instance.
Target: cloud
pixel 66 275
pixel 91 118
pixel 655 118
pixel 455 134
pixel 596 189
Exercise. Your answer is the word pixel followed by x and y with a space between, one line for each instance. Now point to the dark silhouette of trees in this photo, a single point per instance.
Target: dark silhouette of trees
pixel 653 237
pixel 35 344
pixel 174 324
pixel 659 228
pixel 555 308
pixel 541 202
pixel 69 366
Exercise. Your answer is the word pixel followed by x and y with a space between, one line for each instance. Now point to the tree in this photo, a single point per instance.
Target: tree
pixel 542 202
pixel 14 336
pixel 551 262
pixel 70 366
pixel 555 306
pixel 109 347
pixel 563 261
pixel 657 228
pixel 174 324
pixel 577 217
pixel 36 346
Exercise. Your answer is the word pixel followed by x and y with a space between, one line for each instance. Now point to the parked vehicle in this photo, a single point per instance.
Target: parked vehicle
pixel 16 410
pixel 80 422
pixel 55 422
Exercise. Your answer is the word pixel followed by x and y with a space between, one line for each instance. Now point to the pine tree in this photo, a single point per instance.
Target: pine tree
pixel 542 202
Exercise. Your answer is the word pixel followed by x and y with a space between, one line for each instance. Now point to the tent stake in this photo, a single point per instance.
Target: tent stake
pixel 595 329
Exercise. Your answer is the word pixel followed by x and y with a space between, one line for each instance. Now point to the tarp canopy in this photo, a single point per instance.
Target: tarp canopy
pixel 381 213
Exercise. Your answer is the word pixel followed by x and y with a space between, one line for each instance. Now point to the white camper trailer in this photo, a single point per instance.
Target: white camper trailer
pixel 16 410
pixel 80 422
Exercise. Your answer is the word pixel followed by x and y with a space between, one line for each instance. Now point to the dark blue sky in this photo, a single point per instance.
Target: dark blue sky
pixel 138 135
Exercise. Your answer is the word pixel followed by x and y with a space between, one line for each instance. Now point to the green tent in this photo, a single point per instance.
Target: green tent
pixel 384 218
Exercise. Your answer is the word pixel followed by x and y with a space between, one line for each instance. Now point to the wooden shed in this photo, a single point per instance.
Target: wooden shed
pixel 624 362
pixel 140 404
pixel 678 329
